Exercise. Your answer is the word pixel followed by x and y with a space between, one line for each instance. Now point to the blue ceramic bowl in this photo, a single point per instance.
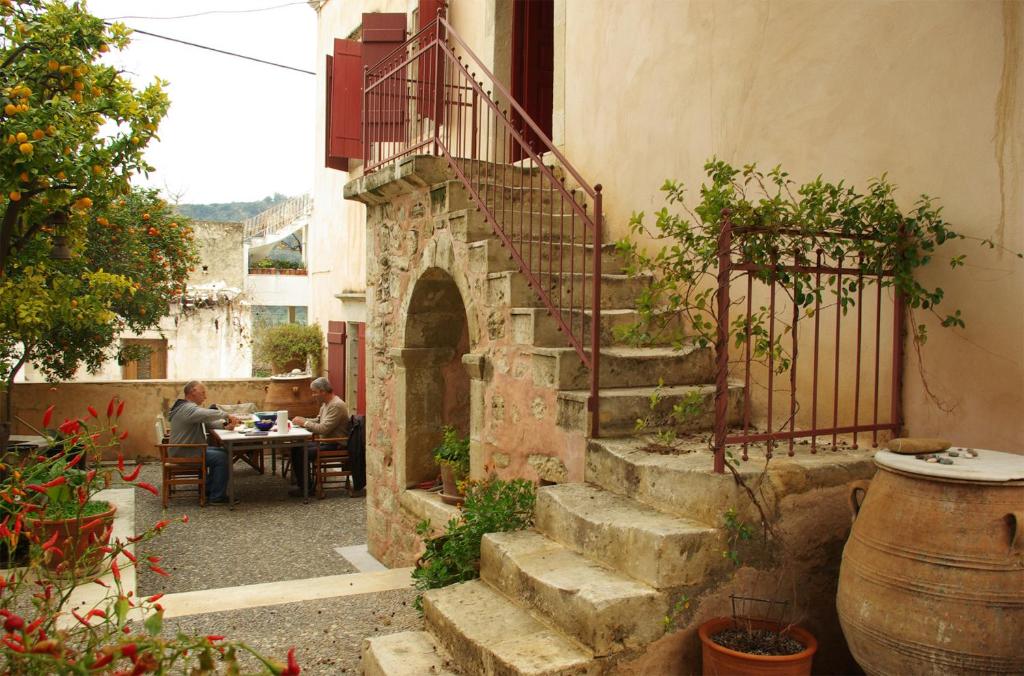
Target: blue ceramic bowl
pixel 264 425
pixel 266 415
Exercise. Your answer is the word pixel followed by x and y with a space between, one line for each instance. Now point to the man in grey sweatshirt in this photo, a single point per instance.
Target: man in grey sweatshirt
pixel 189 422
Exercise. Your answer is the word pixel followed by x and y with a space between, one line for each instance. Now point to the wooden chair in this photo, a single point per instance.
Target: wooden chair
pixel 179 472
pixel 331 466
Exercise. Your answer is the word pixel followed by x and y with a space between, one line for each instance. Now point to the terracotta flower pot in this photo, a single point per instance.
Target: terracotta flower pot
pixel 78 540
pixel 720 661
pixel 450 493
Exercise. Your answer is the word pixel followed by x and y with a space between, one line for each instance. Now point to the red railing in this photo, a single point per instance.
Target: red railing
pixel 822 266
pixel 423 98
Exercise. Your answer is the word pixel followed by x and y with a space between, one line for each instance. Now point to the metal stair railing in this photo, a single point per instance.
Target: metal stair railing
pixel 423 98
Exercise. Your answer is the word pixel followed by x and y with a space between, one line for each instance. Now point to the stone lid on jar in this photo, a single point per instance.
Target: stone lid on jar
pixel 958 463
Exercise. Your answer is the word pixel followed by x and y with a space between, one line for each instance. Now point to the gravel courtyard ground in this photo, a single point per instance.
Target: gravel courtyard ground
pixel 270 537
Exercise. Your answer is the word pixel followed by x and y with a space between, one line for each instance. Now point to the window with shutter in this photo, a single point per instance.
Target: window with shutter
pixel 345 101
pixel 386 106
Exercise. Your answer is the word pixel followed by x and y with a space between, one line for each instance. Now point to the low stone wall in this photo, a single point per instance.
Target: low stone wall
pixel 144 399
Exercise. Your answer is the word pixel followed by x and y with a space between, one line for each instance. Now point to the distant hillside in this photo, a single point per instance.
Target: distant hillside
pixel 229 211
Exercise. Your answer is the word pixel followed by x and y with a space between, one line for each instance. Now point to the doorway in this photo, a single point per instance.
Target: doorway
pixel 532 66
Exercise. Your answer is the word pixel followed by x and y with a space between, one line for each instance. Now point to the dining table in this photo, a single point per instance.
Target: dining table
pixel 241 443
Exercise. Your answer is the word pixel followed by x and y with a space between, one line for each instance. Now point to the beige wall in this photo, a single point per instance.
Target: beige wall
pixel 221 250
pixel 145 399
pixel 926 91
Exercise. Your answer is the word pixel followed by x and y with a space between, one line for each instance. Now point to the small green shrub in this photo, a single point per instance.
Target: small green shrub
pixel 276 264
pixel 492 506
pixel 283 343
pixel 454 451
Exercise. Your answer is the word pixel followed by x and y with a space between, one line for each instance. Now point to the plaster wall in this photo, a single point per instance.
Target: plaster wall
pixel 145 399
pixel 926 91
pixel 278 289
pixel 221 252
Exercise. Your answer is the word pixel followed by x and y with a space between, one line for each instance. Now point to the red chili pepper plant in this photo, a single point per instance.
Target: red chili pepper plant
pixel 55 535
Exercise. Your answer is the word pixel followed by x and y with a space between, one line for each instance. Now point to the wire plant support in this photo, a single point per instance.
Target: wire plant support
pixel 424 98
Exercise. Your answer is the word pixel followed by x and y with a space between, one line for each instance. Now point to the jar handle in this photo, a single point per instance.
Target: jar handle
pixel 1016 521
pixel 855 502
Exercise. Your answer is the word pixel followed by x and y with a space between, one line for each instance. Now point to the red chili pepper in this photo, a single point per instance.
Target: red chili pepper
pixel 94 437
pixel 92 412
pixel 148 487
pixel 36 487
pixel 120 409
pixel 131 651
pixel 83 497
pixel 75 460
pixel 59 481
pixel 101 583
pixel 160 525
pixel 293 666
pixel 115 570
pixel 215 637
pixel 123 435
pixel 155 597
pixel 16 647
pixel 102 660
pixel 80 618
pixel 159 608
pixel 159 571
pixel 120 462
pixel 184 518
pixel 128 555
pixel 110 407
pixel 35 625
pixel 90 475
pixel 14 622
pixel 51 541
pixel 133 475
pixel 95 612
pixel 48 415
pixel 69 426
pixel 153 559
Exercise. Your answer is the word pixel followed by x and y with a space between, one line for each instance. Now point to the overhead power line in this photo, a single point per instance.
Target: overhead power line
pixel 222 51
pixel 212 11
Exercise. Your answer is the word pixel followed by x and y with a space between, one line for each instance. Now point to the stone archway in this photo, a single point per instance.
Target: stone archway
pixel 433 385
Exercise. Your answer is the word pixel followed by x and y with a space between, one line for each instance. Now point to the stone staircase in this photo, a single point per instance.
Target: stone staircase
pixel 591 585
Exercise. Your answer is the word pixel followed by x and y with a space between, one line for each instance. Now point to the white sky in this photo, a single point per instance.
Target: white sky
pixel 237 130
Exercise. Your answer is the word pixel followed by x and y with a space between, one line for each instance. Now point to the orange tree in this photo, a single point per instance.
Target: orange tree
pixel 72 136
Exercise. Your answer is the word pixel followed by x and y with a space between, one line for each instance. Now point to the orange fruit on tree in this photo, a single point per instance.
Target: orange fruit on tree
pixel 52 65
pixel 74 303
pixel 38 134
pixel 145 217
pixel 22 137
pixel 79 86
pixel 103 221
pixel 61 175
pixel 25 148
pixel 11 109
pixel 103 47
pixel 51 130
pixel 14 195
pixel 23 176
pixel 11 139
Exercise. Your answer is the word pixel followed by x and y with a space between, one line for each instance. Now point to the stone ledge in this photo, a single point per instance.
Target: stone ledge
pixel 398 178
pixel 427 505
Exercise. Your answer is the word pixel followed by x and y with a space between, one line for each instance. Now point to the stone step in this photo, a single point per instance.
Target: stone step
pixel 482 168
pixel 511 289
pixel 563 369
pixel 497 258
pixel 534 326
pixel 407 653
pixel 471 225
pixel 604 610
pixel 620 408
pixel 659 549
pixel 685 483
pixel 488 634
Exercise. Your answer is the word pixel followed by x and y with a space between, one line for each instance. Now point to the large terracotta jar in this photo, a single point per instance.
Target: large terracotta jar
pixel 932 578
pixel 291 393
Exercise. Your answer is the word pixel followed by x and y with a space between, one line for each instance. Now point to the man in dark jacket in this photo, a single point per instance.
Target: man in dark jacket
pixel 189 422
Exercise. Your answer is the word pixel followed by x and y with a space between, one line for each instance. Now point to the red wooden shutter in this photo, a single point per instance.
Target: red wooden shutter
pixel 330 162
pixel 346 100
pixel 336 338
pixel 428 11
pixel 383 33
pixel 361 383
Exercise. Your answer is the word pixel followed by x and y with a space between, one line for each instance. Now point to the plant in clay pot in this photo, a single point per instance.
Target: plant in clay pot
pixel 290 346
pixel 453 457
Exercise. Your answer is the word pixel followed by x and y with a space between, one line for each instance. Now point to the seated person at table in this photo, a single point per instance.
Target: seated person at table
pixel 189 422
pixel 332 421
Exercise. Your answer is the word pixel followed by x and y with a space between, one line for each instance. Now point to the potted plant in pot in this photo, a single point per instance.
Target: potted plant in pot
pixel 746 644
pixel 453 457
pixel 290 346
